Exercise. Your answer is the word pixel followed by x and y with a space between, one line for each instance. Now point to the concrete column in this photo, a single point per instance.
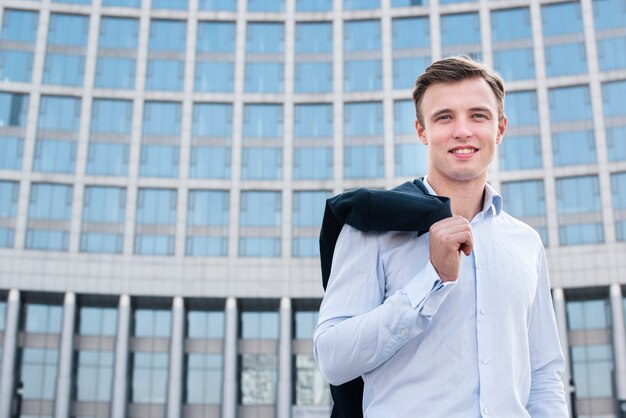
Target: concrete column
pixel 118 403
pixel 283 401
pixel 177 349
pixel 229 394
pixel 619 341
pixel 7 375
pixel 64 379
pixel 561 322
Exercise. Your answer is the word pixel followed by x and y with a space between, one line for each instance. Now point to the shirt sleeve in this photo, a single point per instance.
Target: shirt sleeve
pixel 358 329
pixel 547 397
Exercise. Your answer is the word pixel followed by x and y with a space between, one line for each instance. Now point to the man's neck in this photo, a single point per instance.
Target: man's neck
pixel 466 197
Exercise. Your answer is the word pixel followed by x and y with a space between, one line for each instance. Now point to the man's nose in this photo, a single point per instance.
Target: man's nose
pixel 461 129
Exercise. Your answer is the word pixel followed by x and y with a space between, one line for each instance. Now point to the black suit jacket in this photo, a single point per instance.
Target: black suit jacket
pixel 408 207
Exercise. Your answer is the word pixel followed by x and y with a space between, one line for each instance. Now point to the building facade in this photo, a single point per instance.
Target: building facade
pixel 164 166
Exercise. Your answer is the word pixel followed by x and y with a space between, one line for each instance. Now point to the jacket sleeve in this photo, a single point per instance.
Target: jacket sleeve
pixel 358 328
pixel 547 397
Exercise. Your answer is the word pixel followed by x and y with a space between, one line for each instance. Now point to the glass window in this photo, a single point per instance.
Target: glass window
pixel 168 35
pixel 363 119
pixel 207 223
pixel 94 375
pixel 362 75
pixel 210 158
pixel 259 221
pixel 169 4
pixel 366 161
pixel 460 33
pixel 115 73
pixel 59 113
pixel 51 203
pixel 9 193
pixel 314 77
pixel 588 314
pixel 152 323
pixel 609 14
pixel 406 70
pixel 308 210
pixel 515 64
pixel 97 321
pixel 265 38
pixel 258 379
pixel 204 379
pixel 43 319
pixel 593 370
pixel 361 35
pixel 264 77
pixel 360 4
pixel 259 325
pixel 118 33
pixel 266 5
pixel 606 58
pixel 13 114
pixel 410 155
pixel 411 33
pixel 575 196
pixel 117 46
pixel 263 121
pixel 313 120
pixel 314 5
pixel 314 37
pixel 16 65
pixel 66 68
pixel 103 219
pixel 313 156
pixel 111 122
pixel 162 119
pixel 563 57
pixel 526 200
pixel 618 188
pixel 313 163
pixel 19 31
pixel 155 207
pixel 205 324
pixel 149 381
pixel 210 162
pixel 510 24
pixel 561 18
pixel 216 37
pixel 3 309
pixel 38 373
pixel 20 25
pixel 215 56
pixel 122 3
pixel 226 5
pixel 614 113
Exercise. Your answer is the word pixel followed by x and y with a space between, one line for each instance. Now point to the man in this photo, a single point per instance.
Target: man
pixel 457 322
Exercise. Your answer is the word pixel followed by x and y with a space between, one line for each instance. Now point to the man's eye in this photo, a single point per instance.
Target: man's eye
pixel 480 115
pixel 443 117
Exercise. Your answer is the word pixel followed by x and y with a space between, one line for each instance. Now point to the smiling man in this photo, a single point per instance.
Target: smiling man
pixel 457 322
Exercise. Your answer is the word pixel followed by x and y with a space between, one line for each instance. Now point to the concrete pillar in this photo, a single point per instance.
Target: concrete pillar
pixel 561 322
pixel 177 349
pixel 120 376
pixel 9 349
pixel 229 394
pixel 619 341
pixel 64 378
pixel 283 401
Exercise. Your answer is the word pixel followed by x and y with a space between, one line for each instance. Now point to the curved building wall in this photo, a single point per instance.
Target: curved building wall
pixel 164 164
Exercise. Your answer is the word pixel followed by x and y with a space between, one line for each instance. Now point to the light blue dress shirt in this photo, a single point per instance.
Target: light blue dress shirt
pixel 483 346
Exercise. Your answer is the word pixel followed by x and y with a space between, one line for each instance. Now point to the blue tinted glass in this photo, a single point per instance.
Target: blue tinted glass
pixel 313 120
pixel 265 5
pixel 313 163
pixel 562 18
pixel 410 33
pixel 206 246
pixel 68 30
pixel 260 208
pixel 152 323
pixel 314 5
pixel 38 373
pixel 107 159
pixel 115 73
pixel 207 208
pixel 19 25
pixel 73 1
pixel 607 59
pixel 50 201
pixel 165 75
pixel 212 119
pixel 305 323
pixel 216 37
pixel 259 325
pixel 150 244
pixel 616 142
pixel 156 206
pixel 205 324
pixel 262 163
pixel 404 117
pixel 101 242
pixel 411 160
pixel 264 77
pixel 618 187
pixel 363 161
pixel 47 240
pixel 613 94
pixel 525 198
pixel 118 33
pixel 161 118
pixel 13 109
pixel 578 195
pixel 361 35
pixel 210 162
pixel 43 319
pixel 588 314
pixel 510 24
pixel 54 156
pixel 8 198
pixel 580 234
pixel 570 103
pixel 11 152
pixel 362 75
pixel 314 77
pixel 521 108
pixel 168 35
pixel 593 368
pixel 111 116
pixel 104 204
pixel 149 367
pixel 360 4
pixel 460 29
pixel 214 76
pixel 363 119
pixel 59 113
pixel 170 4
pixel 122 3
pixel 227 5
pixel 515 64
pixel 16 65
pixel 159 160
pixel 259 247
pixel 94 375
pixel 313 37
pixel 265 37
pixel 573 147
pixel 305 247
pixel 65 69
pixel 406 70
pixel 520 153
pixel 262 121
pixel 565 59
pixel 609 14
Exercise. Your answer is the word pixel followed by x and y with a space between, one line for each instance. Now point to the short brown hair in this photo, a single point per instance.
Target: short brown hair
pixel 453 69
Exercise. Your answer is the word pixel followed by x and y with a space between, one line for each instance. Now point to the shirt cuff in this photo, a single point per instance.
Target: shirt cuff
pixel 426 291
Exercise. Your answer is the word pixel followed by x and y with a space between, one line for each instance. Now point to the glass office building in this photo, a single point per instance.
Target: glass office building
pixel 164 166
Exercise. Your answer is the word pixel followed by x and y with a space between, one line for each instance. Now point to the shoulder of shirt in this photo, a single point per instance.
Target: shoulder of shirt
pixel 517 226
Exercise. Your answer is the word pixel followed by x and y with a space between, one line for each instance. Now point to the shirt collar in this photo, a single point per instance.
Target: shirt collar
pixel 492 202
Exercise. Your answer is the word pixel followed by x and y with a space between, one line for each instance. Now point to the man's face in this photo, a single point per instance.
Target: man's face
pixel 461 129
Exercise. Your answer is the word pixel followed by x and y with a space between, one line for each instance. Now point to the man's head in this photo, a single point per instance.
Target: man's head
pixel 450 70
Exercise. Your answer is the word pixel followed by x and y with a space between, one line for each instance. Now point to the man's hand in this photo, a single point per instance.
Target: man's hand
pixel 447 239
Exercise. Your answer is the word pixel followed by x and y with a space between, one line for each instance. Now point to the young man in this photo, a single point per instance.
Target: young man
pixel 457 322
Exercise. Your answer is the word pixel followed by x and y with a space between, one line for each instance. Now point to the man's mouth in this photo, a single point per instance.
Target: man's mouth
pixel 464 151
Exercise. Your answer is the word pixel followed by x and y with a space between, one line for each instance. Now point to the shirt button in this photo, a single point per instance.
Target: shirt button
pixel 402 331
pixel 485 410
pixel 478 265
pixel 485 360
pixel 483 311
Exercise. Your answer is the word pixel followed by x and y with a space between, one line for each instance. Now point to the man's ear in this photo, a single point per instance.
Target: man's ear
pixel 420 132
pixel 501 130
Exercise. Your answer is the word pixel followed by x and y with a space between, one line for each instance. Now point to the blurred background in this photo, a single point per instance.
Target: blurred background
pixel 164 166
